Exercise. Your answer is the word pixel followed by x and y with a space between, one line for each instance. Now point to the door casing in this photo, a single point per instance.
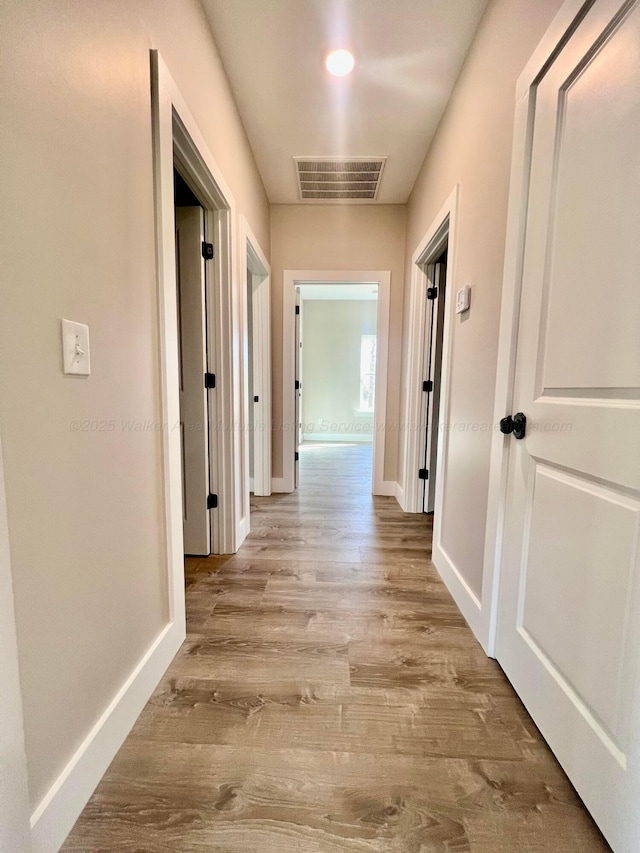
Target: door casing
pixel 178 140
pixel 257 266
pixel 443 233
pixel 15 829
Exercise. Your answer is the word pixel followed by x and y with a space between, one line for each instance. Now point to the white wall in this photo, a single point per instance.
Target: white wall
pixel 472 148
pixel 84 492
pixel 339 237
pixel 331 337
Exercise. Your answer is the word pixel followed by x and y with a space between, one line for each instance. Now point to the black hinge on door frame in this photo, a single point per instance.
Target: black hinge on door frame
pixel 209 380
pixel 423 473
pixel 212 502
pixel 432 292
pixel 297 309
pixel 296 456
pixel 207 251
pixel 427 385
pixel 296 385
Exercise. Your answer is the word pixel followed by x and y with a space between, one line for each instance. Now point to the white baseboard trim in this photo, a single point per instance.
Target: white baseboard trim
pixel 277 485
pixel 351 438
pixel 400 496
pixel 386 489
pixel 242 533
pixel 59 809
pixel 467 601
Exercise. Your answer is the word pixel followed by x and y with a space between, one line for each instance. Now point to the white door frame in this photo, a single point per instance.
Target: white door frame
pixel 290 279
pixel 175 132
pixel 570 13
pixel 15 830
pixel 256 264
pixel 439 235
pixel 443 231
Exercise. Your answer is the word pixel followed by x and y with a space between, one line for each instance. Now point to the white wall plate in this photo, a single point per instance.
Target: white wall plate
pixel 75 348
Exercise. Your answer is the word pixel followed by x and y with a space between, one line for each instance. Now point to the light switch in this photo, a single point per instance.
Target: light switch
pixel 463 297
pixel 75 348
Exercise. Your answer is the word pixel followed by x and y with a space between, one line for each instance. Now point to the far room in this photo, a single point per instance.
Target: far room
pixel 337 361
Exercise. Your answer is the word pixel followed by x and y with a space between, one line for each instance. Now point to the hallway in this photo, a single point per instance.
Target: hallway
pixel 329 698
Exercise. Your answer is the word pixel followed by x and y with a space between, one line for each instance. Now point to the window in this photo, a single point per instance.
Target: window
pixel 368 347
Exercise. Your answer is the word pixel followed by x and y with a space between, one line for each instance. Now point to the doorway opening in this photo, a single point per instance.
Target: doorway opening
pixel 192 252
pixel 355 422
pixel 336 367
pixel 432 339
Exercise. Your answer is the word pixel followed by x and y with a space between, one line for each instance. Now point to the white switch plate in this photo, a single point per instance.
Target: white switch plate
pixel 75 348
pixel 463 298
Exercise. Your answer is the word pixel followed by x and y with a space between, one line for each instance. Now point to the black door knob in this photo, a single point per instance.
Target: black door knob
pixel 506 425
pixel 516 425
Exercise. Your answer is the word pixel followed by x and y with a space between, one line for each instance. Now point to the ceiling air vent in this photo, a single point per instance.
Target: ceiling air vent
pixel 331 178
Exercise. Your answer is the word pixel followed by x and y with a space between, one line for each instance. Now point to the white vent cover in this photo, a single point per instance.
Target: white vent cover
pixel 331 178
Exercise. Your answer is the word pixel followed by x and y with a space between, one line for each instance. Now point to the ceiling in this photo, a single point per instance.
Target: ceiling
pixel 408 55
pixel 338 292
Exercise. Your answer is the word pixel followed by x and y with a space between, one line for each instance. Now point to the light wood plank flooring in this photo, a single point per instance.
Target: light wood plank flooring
pixel 331 698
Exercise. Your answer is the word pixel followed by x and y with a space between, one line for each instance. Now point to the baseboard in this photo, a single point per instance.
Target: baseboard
pixel 386 489
pixel 467 601
pixel 399 495
pixel 277 485
pixel 59 809
pixel 242 532
pixel 351 438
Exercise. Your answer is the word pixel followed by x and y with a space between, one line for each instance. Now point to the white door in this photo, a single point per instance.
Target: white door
pixel 194 422
pixel 261 433
pixel 569 616
pixel 432 368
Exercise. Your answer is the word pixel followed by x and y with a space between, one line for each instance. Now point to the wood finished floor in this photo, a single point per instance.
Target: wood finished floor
pixel 329 698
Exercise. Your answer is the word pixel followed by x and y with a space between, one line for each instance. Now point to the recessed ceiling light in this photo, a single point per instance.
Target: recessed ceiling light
pixel 340 62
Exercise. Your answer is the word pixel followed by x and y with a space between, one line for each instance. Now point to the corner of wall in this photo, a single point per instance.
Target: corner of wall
pixel 55 815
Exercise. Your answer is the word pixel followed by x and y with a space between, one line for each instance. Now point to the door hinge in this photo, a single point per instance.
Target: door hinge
pixel 427 385
pixel 209 380
pixel 297 385
pixel 423 474
pixel 207 251
pixel 297 309
pixel 432 292
pixel 256 399
pixel 297 456
pixel 212 502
